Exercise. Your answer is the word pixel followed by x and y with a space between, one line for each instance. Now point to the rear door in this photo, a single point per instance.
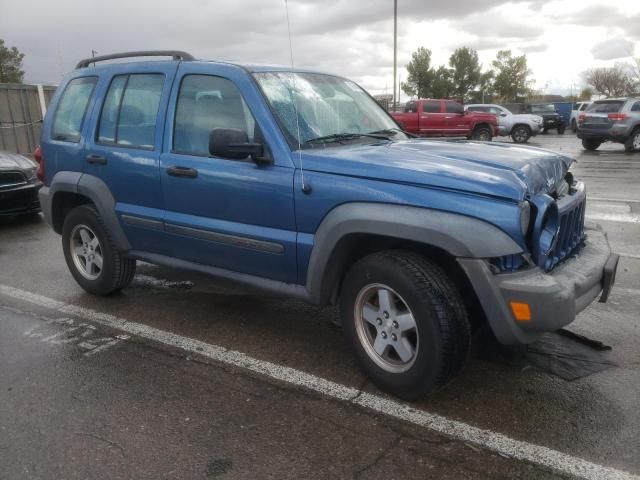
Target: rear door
pixel 432 117
pixel 226 213
pixel 410 118
pixel 123 149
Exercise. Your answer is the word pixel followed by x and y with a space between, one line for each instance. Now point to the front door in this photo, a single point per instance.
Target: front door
pixel 227 213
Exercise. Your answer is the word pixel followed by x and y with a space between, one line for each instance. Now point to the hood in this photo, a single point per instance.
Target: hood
pixel 14 161
pixel 493 169
pixel 526 117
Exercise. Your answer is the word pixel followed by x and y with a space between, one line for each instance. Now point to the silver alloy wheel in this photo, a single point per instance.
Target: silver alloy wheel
pixel 636 141
pixel 86 251
pixel 520 135
pixel 386 328
pixel 483 135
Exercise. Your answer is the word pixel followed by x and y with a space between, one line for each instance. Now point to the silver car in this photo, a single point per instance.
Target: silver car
pixel 521 127
pixel 611 120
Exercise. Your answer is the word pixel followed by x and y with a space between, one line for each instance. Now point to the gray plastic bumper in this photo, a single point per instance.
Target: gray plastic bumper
pixel 554 298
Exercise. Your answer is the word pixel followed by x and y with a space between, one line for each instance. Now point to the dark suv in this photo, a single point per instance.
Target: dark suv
pixel 550 117
pixel 299 183
pixel 611 120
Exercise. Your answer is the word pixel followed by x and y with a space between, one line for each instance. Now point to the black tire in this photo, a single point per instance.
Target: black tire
pixel 561 129
pixel 590 144
pixel 442 327
pixel 117 271
pixel 521 133
pixel 482 133
pixel 574 126
pixel 545 131
pixel 634 138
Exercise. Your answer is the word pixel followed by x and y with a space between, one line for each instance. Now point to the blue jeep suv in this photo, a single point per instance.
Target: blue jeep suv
pixel 298 183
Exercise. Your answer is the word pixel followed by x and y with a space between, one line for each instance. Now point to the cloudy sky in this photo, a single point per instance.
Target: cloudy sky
pixel 353 38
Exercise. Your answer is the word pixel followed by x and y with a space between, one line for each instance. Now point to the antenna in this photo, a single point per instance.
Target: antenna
pixel 305 188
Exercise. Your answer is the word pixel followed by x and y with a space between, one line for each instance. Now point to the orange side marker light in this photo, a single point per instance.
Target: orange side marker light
pixel 521 311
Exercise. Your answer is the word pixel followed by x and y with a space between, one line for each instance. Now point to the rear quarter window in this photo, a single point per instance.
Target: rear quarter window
pixel 72 109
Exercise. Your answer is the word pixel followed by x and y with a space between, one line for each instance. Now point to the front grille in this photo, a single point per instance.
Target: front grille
pixel 11 179
pixel 571 209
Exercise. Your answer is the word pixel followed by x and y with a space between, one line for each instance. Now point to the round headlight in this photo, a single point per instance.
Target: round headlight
pixel 549 229
pixel 525 217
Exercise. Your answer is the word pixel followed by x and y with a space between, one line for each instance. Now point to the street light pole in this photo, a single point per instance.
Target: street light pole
pixel 395 49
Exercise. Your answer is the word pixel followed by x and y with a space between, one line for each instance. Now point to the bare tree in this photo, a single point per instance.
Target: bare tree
pixel 611 81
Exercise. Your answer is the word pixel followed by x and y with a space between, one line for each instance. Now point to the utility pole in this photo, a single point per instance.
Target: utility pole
pixel 395 49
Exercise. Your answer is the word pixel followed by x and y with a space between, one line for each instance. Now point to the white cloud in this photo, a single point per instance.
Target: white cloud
pixel 349 37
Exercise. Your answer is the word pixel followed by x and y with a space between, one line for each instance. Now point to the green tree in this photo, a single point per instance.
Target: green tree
pixel 511 80
pixel 10 64
pixel 442 85
pixel 465 72
pixel 421 74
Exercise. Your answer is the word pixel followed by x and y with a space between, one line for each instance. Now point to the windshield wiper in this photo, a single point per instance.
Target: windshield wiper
pixel 337 137
pixel 393 131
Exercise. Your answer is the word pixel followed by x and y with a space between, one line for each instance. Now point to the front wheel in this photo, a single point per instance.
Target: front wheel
pixel 633 142
pixel 405 321
pixel 521 134
pixel 574 126
pixel 482 133
pixel 91 256
pixel 561 129
pixel 590 144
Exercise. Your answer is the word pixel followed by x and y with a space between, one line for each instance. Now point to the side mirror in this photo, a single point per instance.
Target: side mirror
pixel 234 143
pixel 503 114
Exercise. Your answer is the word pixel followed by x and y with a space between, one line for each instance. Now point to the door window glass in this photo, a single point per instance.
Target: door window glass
pixel 130 111
pixel 636 107
pixel 205 103
pixel 432 106
pixel 69 116
pixel 453 107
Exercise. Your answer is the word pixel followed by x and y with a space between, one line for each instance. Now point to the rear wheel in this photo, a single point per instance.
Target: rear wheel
pixel 574 125
pixel 91 256
pixel 482 133
pixel 521 133
pixel 590 144
pixel 561 129
pixel 405 321
pixel 633 142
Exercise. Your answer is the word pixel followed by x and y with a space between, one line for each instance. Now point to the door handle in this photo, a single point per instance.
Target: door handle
pixel 182 172
pixel 96 159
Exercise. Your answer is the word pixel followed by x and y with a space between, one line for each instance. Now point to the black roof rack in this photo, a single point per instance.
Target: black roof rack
pixel 176 54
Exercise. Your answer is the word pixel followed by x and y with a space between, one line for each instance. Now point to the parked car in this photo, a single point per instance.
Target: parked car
pixel 18 185
pixel 445 118
pixel 301 184
pixel 552 119
pixel 611 120
pixel 520 127
pixel 578 107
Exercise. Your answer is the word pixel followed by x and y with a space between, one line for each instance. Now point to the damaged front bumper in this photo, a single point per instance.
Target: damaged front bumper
pixel 553 299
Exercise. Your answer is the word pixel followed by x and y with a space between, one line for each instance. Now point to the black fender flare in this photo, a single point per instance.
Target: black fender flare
pixel 454 233
pixel 95 190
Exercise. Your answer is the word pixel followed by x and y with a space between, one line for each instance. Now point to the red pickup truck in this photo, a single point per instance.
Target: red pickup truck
pixel 445 118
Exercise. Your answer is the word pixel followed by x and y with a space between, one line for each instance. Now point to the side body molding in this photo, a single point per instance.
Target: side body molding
pixel 459 235
pixel 93 188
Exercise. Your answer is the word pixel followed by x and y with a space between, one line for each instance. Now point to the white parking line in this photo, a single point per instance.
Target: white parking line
pixel 496 442
pixel 614 217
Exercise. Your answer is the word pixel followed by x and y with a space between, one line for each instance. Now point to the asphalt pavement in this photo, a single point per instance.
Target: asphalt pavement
pixel 182 376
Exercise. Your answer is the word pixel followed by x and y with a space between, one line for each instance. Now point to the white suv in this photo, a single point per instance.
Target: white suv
pixel 578 107
pixel 521 126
